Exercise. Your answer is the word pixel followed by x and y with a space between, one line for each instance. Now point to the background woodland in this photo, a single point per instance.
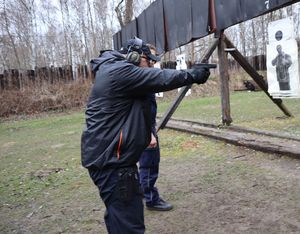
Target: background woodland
pixel 46 46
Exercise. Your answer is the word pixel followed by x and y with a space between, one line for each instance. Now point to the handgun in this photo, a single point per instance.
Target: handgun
pixel 207 65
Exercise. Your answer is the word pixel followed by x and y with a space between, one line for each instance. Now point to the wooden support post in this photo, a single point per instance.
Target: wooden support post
pixel 184 90
pixel 254 74
pixel 224 79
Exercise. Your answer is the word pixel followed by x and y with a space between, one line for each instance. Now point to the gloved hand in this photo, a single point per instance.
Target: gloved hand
pixel 199 75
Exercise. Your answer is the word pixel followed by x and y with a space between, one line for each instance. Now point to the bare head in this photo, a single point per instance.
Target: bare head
pixel 279 49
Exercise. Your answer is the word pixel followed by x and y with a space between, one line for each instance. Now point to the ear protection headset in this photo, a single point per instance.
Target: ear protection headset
pixel 135 51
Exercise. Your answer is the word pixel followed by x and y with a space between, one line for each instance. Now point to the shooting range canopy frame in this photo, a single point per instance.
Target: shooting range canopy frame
pixel 169 24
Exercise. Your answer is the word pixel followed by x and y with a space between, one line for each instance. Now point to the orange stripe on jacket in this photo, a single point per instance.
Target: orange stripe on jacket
pixel 119 146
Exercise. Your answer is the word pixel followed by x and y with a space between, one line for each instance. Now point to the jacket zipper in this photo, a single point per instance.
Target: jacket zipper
pixel 119 145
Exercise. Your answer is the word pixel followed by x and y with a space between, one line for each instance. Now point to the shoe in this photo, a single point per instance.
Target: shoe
pixel 160 205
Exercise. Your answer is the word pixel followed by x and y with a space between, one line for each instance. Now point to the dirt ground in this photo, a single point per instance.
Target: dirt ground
pixel 239 191
pixel 214 187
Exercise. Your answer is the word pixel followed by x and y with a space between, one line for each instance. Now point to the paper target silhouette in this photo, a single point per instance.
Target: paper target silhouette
pixel 282 60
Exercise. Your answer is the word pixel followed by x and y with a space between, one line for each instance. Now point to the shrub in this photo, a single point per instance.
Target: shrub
pixel 32 100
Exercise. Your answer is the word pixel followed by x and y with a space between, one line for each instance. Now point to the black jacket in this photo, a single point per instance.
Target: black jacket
pixel 118 114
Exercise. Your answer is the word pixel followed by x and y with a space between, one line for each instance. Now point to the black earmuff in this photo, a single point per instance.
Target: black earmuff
pixel 135 51
pixel 134 57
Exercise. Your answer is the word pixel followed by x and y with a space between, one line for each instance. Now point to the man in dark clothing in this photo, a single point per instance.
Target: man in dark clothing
pixel 282 62
pixel 149 168
pixel 118 128
pixel 149 161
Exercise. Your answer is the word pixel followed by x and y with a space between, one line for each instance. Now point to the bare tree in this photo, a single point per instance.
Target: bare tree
pixel 105 23
pixel 41 33
pixel 242 30
pixel 66 27
pixel 254 43
pixel 30 14
pixel 264 32
pixel 124 12
pixel 6 27
pixel 49 53
pixel 91 24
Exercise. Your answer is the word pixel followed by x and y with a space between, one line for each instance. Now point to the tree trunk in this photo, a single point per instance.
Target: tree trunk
pixel 243 37
pixel 254 39
pixel 128 11
pixel 91 22
pixel 124 16
pixel 62 3
pixel 263 34
pixel 6 26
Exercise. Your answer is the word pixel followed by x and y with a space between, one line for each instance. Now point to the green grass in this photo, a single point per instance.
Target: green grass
pixel 52 142
pixel 41 173
pixel 251 109
pixel 29 146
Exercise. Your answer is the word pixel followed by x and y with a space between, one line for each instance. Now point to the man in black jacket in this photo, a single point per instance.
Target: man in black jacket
pixel 118 128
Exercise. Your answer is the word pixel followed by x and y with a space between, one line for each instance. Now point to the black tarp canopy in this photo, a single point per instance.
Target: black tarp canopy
pixel 238 11
pixel 169 24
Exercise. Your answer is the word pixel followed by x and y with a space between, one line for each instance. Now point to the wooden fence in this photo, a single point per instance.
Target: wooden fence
pixel 18 79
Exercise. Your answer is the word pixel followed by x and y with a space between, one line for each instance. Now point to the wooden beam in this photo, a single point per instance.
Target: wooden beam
pixel 224 81
pixel 184 90
pixel 255 140
pixel 255 75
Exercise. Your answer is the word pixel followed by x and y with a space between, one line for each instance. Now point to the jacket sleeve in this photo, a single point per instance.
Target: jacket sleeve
pixel 135 80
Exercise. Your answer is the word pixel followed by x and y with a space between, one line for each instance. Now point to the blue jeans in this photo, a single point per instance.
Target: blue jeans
pixel 149 168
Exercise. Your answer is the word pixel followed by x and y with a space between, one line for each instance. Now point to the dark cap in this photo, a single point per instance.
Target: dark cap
pixel 139 46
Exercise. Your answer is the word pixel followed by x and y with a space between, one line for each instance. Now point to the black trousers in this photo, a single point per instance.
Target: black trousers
pixel 284 86
pixel 121 193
